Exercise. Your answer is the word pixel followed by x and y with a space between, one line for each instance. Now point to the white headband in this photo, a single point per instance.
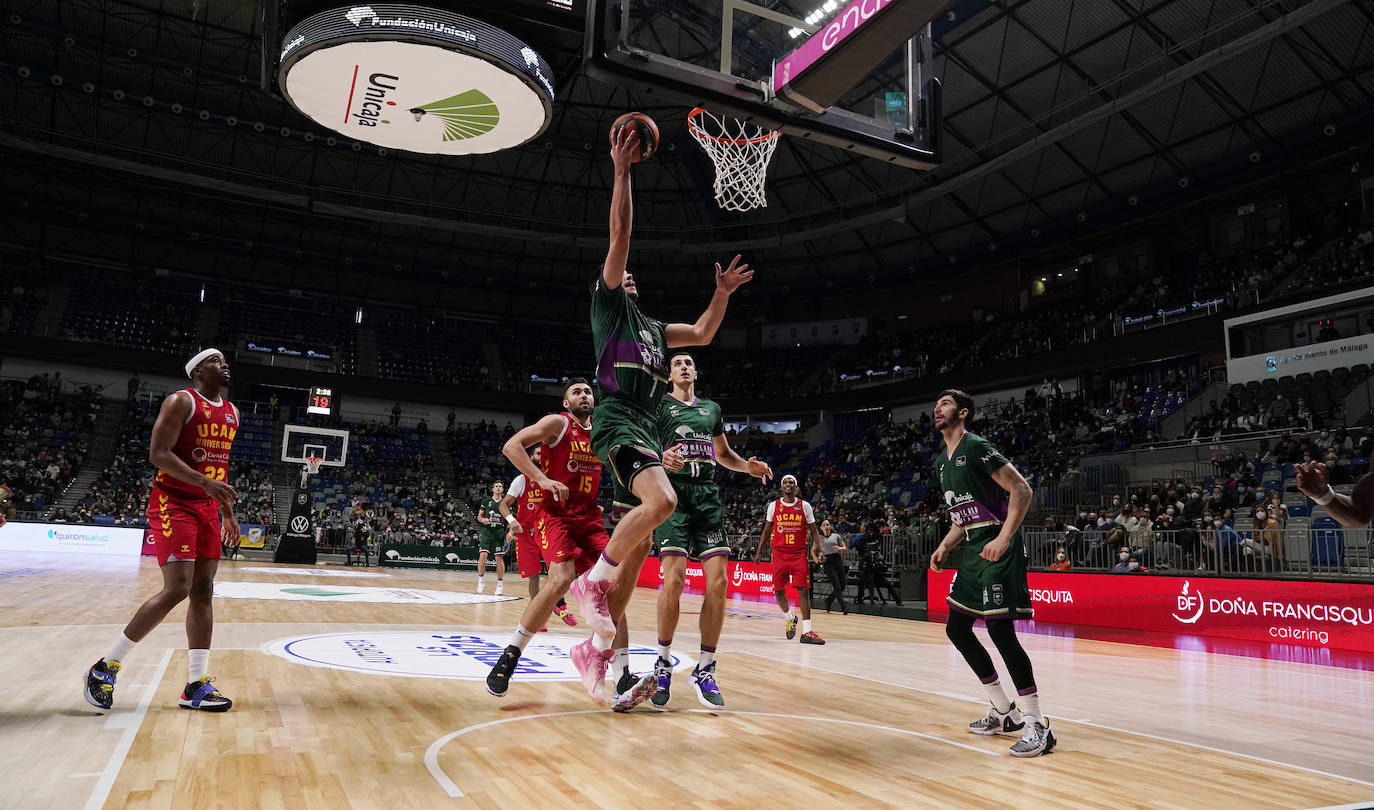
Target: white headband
pixel 200 358
pixel 785 477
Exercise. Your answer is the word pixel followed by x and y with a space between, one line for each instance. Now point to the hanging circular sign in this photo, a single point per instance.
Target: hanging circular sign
pixel 416 78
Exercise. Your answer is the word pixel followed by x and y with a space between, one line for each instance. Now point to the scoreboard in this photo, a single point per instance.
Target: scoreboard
pixel 321 401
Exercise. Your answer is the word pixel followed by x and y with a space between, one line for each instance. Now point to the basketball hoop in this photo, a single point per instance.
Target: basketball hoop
pixel 741 151
pixel 312 464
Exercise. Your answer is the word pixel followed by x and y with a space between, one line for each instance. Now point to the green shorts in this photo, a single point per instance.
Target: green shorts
pixel 696 529
pixel 492 541
pixel 992 589
pixel 623 438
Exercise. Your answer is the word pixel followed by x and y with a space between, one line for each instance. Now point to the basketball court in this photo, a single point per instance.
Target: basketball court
pixel 380 703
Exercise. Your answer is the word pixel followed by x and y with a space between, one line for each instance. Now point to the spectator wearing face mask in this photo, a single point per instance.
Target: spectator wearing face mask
pixel 1245 495
pixel 1123 557
pixel 1061 560
pixel 1229 544
pixel 1192 510
pixel 1131 566
pixel 1140 529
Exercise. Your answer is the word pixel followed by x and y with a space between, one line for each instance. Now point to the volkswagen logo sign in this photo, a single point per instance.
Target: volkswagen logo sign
pixel 299 524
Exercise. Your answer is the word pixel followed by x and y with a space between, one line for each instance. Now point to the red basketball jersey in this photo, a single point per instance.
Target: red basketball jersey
pixel 570 461
pixel 789 527
pixel 204 443
pixel 527 503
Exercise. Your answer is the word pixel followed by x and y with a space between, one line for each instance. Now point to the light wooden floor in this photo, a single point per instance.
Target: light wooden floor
pixel 873 719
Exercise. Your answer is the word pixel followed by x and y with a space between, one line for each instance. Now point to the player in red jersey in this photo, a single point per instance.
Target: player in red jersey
pixel 521 509
pixel 789 525
pixel 570 528
pixel 190 511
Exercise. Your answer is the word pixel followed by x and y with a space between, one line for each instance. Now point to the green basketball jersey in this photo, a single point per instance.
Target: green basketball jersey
pixel 694 425
pixel 493 513
pixel 631 348
pixel 977 504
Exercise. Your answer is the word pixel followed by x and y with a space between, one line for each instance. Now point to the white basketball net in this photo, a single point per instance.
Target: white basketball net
pixel 741 151
pixel 312 464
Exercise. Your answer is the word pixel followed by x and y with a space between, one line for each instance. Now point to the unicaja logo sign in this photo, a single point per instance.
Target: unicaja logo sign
pixel 357 14
pixel 393 554
pixel 1189 603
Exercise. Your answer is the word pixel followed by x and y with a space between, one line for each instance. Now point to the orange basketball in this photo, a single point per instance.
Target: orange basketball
pixel 648 132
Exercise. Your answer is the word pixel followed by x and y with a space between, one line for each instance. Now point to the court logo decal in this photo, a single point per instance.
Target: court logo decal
pixel 313 572
pixel 441 654
pixel 389 596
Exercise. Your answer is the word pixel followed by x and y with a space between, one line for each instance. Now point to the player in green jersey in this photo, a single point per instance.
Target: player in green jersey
pixel 632 369
pixel 987 501
pixel 492 538
pixel 696 528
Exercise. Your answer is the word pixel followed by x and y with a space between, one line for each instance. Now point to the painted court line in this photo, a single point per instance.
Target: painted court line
pixel 980 701
pixel 101 791
pixel 452 789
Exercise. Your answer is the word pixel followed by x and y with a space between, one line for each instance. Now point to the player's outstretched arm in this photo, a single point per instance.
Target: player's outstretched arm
pixel 544 432
pixel 624 145
pixel 1352 511
pixel 703 331
pixel 730 460
pixel 166 430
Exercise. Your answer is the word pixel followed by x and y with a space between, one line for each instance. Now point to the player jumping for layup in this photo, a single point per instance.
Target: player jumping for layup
pixel 190 511
pixel 522 508
pixel 632 367
pixel 790 527
pixel 697 528
pixel 991 581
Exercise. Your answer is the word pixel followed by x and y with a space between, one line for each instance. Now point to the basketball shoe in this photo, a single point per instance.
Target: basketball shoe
pixel 591 665
pixel 791 627
pixel 1037 739
pixel 203 695
pixel 499 588
pixel 498 680
pixel 100 682
pixel 633 690
pixel 663 673
pixel 591 603
pixel 562 612
pixel 704 684
pixel 811 638
pixel 481 585
pixel 1008 722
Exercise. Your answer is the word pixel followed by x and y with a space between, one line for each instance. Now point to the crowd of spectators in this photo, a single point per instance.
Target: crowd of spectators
pixel 44 433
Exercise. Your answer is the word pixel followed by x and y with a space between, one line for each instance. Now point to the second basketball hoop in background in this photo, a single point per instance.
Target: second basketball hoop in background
pixel 648 132
pixel 740 151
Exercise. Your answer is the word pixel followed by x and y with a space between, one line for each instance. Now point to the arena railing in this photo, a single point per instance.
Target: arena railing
pixel 1295 553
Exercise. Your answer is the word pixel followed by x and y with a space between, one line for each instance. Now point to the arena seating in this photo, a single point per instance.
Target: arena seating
pixel 433 350
pixel 112 312
pixel 45 434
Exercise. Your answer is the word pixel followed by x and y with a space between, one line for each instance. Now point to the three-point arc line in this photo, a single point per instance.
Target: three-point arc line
pixel 432 753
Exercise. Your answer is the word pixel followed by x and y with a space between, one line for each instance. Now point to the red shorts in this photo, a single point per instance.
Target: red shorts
pixel 183 529
pixel 527 549
pixel 576 536
pixel 791 568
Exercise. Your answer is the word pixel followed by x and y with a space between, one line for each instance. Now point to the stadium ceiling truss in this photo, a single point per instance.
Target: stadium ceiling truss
pixel 145 119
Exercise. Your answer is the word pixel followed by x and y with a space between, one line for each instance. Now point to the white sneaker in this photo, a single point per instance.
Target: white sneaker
pixel 481 585
pixel 1037 739
pixel 498 587
pixel 996 722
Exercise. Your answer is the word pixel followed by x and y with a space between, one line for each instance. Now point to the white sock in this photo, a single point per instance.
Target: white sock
pixel 665 652
pixel 521 637
pixel 1030 707
pixel 806 625
pixel 601 643
pixel 197 664
pixel 998 696
pixel 603 570
pixel 706 659
pixel 481 577
pixel 622 660
pixel 791 617
pixel 122 647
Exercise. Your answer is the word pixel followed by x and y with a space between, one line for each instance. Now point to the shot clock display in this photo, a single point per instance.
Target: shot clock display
pixel 321 401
